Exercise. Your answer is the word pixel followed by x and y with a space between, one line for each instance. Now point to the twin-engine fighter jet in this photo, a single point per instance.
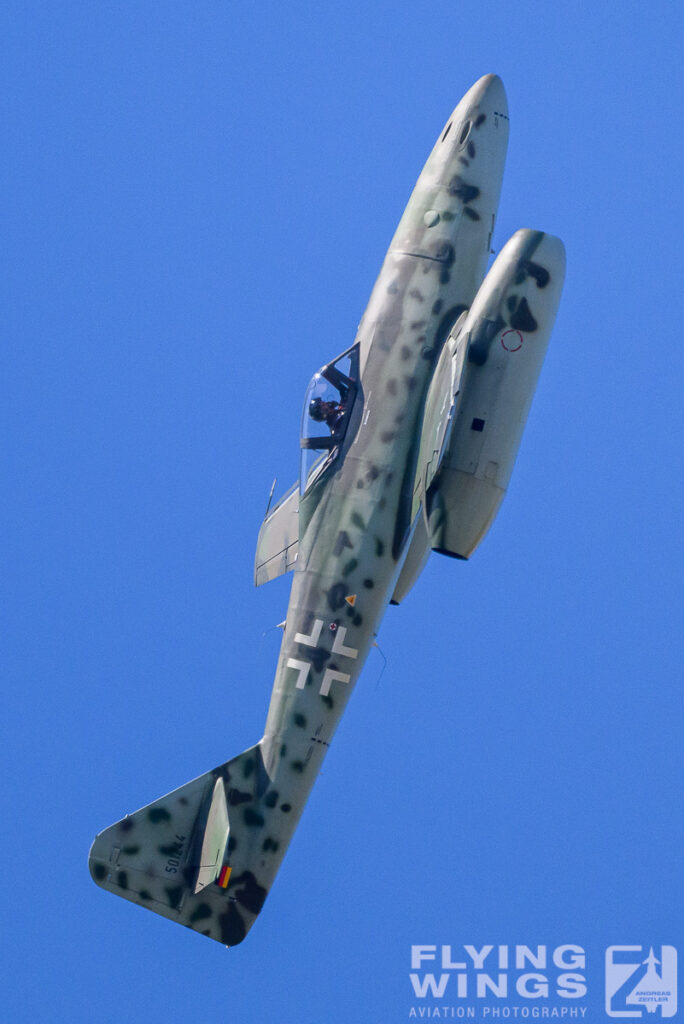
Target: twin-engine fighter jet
pixel 408 441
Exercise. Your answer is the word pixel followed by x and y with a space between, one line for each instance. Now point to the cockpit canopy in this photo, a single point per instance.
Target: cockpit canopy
pixel 328 403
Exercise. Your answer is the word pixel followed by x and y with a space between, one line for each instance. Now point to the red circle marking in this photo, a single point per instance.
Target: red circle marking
pixel 507 347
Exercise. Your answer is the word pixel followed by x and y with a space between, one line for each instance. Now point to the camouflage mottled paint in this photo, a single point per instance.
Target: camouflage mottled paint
pixel 356 523
pixel 504 337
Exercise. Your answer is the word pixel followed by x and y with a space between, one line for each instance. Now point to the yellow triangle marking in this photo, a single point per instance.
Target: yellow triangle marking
pixel 351 600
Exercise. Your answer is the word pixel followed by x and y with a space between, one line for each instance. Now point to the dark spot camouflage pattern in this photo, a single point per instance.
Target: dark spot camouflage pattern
pixel 362 539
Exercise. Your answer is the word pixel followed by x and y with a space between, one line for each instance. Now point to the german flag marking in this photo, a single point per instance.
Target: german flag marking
pixel 351 600
pixel 224 875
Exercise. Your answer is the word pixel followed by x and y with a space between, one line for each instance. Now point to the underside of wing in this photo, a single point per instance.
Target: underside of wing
pixel 278 539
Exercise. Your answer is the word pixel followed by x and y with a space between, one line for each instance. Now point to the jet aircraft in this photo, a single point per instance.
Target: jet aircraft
pixel 408 441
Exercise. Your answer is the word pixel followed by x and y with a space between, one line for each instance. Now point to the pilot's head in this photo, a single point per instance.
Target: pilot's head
pixel 317 409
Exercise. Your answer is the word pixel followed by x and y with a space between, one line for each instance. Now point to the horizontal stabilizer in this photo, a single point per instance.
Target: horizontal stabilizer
pixel 204 855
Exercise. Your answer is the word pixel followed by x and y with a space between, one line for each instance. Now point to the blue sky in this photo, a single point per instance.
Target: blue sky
pixel 196 200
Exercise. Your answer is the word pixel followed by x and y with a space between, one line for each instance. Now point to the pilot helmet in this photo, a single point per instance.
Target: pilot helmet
pixel 316 409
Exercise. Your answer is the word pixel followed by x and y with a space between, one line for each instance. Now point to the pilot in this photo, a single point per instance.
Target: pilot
pixel 329 413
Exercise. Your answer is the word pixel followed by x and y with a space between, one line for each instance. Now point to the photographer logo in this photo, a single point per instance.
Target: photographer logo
pixel 641 979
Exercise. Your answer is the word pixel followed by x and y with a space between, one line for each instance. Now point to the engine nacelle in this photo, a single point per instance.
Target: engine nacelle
pixel 505 334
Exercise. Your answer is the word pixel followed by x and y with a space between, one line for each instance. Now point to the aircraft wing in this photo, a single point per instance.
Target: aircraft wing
pixel 278 539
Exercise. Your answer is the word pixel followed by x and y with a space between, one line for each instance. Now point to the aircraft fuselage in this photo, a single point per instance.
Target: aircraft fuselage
pixel 360 521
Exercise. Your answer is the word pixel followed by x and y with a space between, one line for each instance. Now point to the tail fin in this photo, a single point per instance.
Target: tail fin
pixel 205 854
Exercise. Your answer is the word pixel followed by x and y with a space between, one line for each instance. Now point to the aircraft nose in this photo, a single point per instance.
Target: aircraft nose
pixel 484 104
pixel 487 94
